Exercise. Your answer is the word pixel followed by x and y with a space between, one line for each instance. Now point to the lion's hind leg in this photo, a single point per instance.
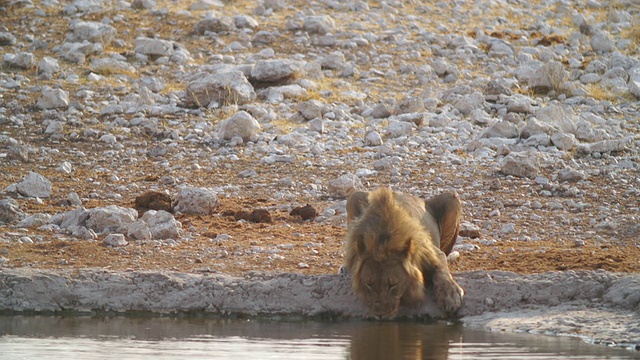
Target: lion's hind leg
pixel 446 210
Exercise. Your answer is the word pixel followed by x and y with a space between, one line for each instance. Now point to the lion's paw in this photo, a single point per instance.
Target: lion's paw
pixel 448 294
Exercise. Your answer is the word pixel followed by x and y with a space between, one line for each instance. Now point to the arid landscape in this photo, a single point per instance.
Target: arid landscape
pixel 113 139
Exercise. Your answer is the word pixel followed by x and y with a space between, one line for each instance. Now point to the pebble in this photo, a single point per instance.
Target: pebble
pixel 359 107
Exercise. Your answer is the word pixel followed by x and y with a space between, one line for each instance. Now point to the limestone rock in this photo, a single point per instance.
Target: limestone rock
pixel 558 117
pixel 192 200
pixel 520 166
pixel 92 31
pixel 34 221
pixel 222 25
pixel 241 124
pixel 139 230
pixel 276 70
pixel 10 211
pixel 34 185
pixel 501 129
pixel 344 185
pixel 162 225
pixel 112 218
pixel 222 89
pixel 319 24
pixel 53 99
pixel 108 66
pixel 153 47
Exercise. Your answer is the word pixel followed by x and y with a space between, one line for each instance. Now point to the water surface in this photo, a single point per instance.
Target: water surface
pixel 84 337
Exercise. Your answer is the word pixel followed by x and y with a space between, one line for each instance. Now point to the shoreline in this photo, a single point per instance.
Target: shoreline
pixel 597 306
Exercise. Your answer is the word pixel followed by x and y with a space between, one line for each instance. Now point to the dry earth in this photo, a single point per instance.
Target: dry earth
pixel 316 244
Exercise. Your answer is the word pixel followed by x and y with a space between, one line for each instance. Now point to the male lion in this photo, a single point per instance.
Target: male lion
pixel 397 244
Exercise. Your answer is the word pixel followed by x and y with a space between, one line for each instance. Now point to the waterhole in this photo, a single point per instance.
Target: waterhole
pixel 85 337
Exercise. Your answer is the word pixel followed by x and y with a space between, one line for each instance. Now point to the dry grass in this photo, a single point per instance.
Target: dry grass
pixel 599 93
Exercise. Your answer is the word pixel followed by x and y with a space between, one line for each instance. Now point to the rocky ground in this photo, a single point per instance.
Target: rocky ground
pixel 528 109
pixel 239 113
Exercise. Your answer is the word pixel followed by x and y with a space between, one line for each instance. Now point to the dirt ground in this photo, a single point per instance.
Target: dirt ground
pixel 289 244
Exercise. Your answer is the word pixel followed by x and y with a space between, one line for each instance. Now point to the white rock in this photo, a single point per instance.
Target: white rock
pixel 108 139
pixel 570 175
pixel 221 25
pixel 108 66
pixel 276 94
pixel 139 230
pixel 115 240
pixel 558 117
pixel 91 31
pixel 398 128
pixel 634 81
pixel 601 43
pixel 501 129
pixel 276 70
pixel 605 146
pixel 54 127
pixel 520 166
pixel 222 89
pixel 373 138
pixel 245 22
pixel 563 141
pixel 10 211
pixel 344 185
pixel 316 125
pixel 74 199
pixel 48 65
pixel 34 221
pixel 551 76
pixel 23 60
pixel 192 200
pixel 320 25
pixel 34 185
pixel 162 224
pixel 144 4
pixel 52 99
pixel 311 109
pixel 206 5
pixel 467 103
pixel 153 47
pixel 111 218
pixel 73 218
pixel 241 124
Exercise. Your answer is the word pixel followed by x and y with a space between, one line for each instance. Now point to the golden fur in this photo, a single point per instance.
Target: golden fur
pixel 389 251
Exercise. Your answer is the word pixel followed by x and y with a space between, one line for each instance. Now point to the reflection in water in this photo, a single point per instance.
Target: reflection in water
pixel 50 337
pixel 392 340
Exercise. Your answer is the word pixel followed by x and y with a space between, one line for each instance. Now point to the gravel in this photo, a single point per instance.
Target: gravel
pixel 531 113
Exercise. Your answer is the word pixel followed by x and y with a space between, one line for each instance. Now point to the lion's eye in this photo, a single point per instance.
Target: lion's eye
pixel 368 286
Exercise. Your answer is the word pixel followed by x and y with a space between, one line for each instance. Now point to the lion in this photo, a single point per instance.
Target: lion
pixel 397 244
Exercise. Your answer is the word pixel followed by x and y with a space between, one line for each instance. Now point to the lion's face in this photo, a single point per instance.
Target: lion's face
pixel 381 285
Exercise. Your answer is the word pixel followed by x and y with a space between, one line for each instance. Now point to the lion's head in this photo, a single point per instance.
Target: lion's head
pixel 382 284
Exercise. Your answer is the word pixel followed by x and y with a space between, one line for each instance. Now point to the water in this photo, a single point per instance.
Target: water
pixel 84 337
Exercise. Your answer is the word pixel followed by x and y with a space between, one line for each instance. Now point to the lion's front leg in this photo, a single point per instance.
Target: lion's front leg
pixel 448 294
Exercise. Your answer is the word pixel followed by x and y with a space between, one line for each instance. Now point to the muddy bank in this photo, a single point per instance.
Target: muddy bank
pixel 598 306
